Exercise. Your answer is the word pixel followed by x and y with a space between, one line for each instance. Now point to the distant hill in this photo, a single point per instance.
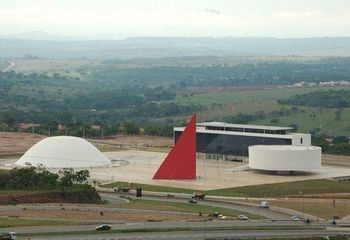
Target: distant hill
pixel 37 35
pixel 49 46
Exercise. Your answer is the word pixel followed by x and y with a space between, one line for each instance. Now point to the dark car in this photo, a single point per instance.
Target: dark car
pixel 103 227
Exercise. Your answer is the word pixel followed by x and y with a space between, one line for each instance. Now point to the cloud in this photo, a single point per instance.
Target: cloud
pixel 212 11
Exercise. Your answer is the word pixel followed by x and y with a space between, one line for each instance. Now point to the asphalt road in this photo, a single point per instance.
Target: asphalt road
pixel 197 235
pixel 8 68
pixel 166 225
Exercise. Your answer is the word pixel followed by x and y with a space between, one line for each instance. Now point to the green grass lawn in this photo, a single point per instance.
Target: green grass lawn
pixel 285 189
pixel 316 207
pixel 264 190
pixel 3 171
pixel 147 187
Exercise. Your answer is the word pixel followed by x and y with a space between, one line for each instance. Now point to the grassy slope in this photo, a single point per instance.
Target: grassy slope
pixel 17 222
pixel 185 207
pixel 147 187
pixel 264 190
pixel 321 208
pixel 254 101
pixel 288 188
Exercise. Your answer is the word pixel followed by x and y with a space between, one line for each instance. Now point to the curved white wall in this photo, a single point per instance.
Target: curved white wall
pixel 64 152
pixel 284 158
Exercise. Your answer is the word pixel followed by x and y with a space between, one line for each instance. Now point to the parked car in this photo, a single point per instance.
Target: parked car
pixel 192 200
pixel 242 217
pixel 8 236
pixel 103 227
pixel 121 189
pixel 296 218
pixel 264 204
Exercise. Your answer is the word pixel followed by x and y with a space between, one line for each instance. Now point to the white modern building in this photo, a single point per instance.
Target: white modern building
pixel 284 158
pixel 63 152
pixel 231 140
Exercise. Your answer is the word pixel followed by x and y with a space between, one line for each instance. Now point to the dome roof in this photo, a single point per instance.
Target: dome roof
pixel 64 152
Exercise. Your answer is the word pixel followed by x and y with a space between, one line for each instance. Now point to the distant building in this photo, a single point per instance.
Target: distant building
pixel 231 141
pixel 96 127
pixel 61 126
pixel 27 125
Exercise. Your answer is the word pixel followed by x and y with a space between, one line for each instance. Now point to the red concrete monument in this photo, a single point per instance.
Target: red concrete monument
pixel 180 163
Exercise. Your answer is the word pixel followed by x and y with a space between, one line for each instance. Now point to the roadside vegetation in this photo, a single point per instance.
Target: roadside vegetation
pixel 31 184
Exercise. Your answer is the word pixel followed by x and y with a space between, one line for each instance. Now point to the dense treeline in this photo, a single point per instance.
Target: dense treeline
pixel 258 73
pixel 52 99
pixel 339 145
pixel 327 99
pixel 38 179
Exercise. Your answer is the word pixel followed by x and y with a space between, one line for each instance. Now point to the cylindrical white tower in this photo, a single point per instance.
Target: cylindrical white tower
pixel 284 158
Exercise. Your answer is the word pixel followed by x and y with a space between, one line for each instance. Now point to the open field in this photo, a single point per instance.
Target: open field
pixel 226 104
pixel 17 143
pixel 121 142
pixel 322 208
pixel 50 65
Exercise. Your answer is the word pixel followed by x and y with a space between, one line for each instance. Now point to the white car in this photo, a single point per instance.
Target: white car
pixel 243 217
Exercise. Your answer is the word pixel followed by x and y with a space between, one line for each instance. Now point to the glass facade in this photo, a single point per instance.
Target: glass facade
pixel 251 130
pixel 231 144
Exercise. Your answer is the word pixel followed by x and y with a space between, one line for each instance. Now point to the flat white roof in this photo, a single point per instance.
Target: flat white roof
pixel 203 130
pixel 233 125
pixel 285 147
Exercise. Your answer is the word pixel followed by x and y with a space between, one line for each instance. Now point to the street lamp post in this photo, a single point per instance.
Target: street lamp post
pixel 302 195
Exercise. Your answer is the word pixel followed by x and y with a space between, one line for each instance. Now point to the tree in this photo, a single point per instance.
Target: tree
pixel 338 114
pixel 274 121
pixel 294 126
pixel 130 127
pixel 340 139
pixel 81 176
pixel 67 177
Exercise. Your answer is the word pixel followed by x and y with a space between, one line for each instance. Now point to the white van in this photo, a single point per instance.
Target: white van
pixel 264 204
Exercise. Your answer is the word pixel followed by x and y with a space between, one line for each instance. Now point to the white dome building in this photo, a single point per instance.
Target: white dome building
pixel 63 152
pixel 284 158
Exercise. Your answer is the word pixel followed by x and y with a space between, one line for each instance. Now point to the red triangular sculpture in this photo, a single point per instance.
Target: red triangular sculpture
pixel 181 161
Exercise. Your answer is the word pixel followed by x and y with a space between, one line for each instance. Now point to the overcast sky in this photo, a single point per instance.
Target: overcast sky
pixel 112 19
